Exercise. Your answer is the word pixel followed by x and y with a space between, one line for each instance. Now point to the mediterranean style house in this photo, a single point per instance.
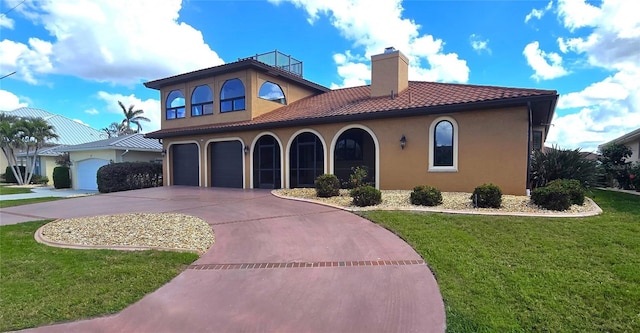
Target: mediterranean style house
pixel 257 123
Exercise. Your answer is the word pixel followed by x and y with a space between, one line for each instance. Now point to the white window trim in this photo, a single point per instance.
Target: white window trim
pixel 432 128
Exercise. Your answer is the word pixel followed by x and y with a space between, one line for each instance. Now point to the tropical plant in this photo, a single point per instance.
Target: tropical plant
pixel 26 135
pixel 557 163
pixel 116 129
pixel 614 161
pixel 132 116
pixel 357 177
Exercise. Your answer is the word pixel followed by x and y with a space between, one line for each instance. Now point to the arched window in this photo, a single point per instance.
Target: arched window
pixel 272 92
pixel 175 105
pixel 201 101
pixel 306 160
pixel 232 96
pixel 443 155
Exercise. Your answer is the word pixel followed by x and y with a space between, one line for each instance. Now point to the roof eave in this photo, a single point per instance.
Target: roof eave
pixel 440 109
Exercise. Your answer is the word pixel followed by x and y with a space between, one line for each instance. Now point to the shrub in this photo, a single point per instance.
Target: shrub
pixel 634 176
pixel 425 195
pixel 366 196
pixel 357 177
pixel 10 178
pixel 487 196
pixel 37 179
pixel 61 178
pixel 126 176
pixel 557 163
pixel 576 191
pixel 327 185
pixel 552 197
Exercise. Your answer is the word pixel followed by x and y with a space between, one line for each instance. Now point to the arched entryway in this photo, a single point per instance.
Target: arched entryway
pixel 266 163
pixel 354 147
pixel 306 160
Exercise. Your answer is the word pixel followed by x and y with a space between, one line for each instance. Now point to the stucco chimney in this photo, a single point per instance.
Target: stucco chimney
pixel 389 73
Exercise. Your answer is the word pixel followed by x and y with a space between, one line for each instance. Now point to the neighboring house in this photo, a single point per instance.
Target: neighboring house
pixel 70 132
pixel 249 124
pixel 631 140
pixel 87 158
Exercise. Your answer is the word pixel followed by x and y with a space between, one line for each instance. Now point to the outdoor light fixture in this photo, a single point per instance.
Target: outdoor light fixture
pixel 403 141
pixel 164 152
pixel 246 150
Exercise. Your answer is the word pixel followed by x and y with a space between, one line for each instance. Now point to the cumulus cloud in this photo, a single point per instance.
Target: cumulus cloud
pixel 546 65
pixel 151 108
pixel 114 41
pixel 9 101
pixel 538 13
pixel 605 109
pixel 374 25
pixel 92 111
pixel 479 44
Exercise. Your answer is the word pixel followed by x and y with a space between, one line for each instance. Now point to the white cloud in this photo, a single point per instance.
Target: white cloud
pixel 9 101
pixel 151 108
pixel 546 65
pixel 6 22
pixel 374 25
pixel 92 111
pixel 538 13
pixel 479 44
pixel 608 108
pixel 114 41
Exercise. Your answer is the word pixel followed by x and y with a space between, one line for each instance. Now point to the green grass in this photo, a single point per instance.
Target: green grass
pixel 18 202
pixel 519 274
pixel 41 285
pixel 13 190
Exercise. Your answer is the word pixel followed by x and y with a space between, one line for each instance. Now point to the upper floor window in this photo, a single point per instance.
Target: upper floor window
pixel 201 101
pixel 443 153
pixel 175 105
pixel 272 92
pixel 232 96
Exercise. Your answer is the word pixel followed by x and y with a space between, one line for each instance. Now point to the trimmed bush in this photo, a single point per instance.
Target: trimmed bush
pixel 487 196
pixel 576 191
pixel 37 179
pixel 61 177
pixel 552 198
pixel 10 178
pixel 327 185
pixel 126 176
pixel 366 196
pixel 425 195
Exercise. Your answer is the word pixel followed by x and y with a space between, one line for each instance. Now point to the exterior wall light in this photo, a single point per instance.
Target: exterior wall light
pixel 246 150
pixel 403 141
pixel 164 152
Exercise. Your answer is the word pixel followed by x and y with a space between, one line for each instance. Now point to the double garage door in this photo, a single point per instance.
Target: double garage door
pixel 225 164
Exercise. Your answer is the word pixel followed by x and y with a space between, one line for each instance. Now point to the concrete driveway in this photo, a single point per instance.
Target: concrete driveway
pixel 277 266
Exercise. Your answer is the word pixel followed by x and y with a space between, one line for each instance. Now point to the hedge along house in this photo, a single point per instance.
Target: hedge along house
pixel 251 124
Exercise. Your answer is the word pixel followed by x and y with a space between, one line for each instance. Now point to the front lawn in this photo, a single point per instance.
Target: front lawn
pixel 4 189
pixel 19 202
pixel 41 285
pixel 520 274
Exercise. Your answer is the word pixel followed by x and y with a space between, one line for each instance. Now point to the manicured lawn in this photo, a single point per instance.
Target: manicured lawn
pixel 13 190
pixel 41 284
pixel 18 202
pixel 517 274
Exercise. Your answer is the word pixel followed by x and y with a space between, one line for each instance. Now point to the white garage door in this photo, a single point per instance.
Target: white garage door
pixel 87 171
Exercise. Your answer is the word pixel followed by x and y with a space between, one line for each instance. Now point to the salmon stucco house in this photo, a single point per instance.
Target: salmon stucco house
pixel 257 123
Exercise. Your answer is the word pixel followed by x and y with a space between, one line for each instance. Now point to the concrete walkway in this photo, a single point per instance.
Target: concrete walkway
pixel 277 266
pixel 40 192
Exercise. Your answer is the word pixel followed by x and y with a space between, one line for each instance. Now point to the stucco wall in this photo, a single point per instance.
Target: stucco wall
pixel 138 156
pixel 492 147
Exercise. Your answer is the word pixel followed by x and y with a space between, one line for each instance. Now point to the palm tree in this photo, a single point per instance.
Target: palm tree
pixel 35 133
pixel 132 116
pixel 115 129
pixel 10 142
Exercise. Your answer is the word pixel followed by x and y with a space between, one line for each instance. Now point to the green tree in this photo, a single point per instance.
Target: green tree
pixel 614 161
pixel 26 135
pixel 115 129
pixel 132 116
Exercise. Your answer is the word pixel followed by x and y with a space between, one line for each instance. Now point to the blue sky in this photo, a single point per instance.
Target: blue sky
pixel 79 57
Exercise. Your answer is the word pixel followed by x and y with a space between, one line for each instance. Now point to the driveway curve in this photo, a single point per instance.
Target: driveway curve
pixel 277 266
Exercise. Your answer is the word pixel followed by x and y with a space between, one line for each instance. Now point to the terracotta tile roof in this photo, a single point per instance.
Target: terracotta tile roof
pixel 339 104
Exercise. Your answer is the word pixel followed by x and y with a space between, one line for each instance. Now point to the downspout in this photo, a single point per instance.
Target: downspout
pixel 121 155
pixel 529 148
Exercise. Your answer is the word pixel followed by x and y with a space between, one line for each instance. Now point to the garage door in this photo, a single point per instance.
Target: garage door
pixel 226 164
pixel 186 170
pixel 87 171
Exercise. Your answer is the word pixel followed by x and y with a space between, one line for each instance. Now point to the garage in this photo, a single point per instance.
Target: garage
pixel 185 166
pixel 87 171
pixel 226 164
